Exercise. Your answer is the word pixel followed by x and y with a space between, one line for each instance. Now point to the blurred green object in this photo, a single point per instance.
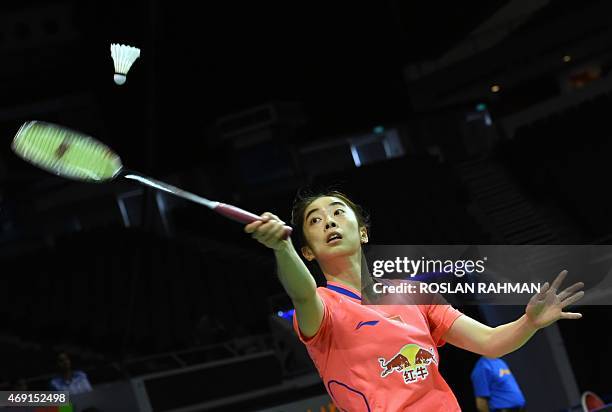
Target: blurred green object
pixel 65 152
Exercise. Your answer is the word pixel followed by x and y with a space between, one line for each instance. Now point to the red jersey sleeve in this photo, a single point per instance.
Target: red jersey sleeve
pixel 440 319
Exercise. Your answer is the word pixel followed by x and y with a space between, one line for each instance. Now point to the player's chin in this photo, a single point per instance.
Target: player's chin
pixel 340 249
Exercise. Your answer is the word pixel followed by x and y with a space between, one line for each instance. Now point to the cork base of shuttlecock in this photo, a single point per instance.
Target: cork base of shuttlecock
pixel 119 78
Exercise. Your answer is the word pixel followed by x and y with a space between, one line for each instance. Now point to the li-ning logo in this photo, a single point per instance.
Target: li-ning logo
pixel 367 323
pixel 411 361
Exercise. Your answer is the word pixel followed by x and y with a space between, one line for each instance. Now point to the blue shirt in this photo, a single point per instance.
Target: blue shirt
pixel 492 379
pixel 78 384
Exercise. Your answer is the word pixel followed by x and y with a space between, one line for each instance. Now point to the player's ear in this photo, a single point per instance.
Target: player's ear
pixel 363 234
pixel 307 253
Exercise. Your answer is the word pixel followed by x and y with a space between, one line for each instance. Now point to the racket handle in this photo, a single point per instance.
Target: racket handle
pixel 242 216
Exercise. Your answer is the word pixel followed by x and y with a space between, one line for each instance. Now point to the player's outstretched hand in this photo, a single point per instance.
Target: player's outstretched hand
pixel 547 306
pixel 270 231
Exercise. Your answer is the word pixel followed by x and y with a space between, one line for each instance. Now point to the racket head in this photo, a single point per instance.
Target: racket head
pixel 66 152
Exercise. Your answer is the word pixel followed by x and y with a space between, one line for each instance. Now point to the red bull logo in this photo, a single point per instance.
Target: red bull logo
pixel 411 361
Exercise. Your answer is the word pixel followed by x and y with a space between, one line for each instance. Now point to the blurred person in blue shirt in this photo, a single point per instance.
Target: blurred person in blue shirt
pixel 495 388
pixel 74 382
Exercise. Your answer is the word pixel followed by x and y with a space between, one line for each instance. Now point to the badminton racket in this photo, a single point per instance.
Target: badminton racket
pixel 74 155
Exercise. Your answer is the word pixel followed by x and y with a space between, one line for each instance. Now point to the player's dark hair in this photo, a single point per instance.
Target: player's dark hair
pixel 305 197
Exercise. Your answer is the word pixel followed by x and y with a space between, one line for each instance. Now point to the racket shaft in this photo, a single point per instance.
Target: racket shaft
pixel 165 187
pixel 229 211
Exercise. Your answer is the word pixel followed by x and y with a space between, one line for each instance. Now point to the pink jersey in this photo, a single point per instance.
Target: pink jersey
pixel 380 358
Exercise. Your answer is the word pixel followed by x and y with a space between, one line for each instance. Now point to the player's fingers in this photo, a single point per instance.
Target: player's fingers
pixel 543 291
pixel 572 299
pixel 570 315
pixel 252 227
pixel 272 216
pixel 570 290
pixel 558 280
pixel 263 229
pixel 273 233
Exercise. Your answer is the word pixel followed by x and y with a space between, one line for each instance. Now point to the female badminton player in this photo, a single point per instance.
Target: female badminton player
pixel 380 358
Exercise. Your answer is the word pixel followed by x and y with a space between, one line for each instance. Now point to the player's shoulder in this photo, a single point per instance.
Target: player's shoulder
pixel 485 362
pixel 55 381
pixel 338 297
pixel 479 367
pixel 327 294
pixel 79 374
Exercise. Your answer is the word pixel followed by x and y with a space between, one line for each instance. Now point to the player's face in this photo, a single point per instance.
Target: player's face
pixel 331 228
pixel 63 362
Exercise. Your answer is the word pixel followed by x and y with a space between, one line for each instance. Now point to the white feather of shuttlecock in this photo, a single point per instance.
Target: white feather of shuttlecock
pixel 123 58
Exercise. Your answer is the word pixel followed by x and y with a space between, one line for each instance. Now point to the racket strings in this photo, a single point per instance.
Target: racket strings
pixel 65 152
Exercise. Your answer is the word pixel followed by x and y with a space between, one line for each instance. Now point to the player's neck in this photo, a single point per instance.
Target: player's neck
pixel 345 270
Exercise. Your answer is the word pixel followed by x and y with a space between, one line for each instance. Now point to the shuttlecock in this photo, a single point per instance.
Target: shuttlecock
pixel 123 57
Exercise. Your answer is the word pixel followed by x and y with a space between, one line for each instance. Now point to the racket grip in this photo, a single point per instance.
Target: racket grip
pixel 242 216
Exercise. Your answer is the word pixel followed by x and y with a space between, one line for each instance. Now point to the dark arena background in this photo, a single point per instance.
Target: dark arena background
pixel 450 122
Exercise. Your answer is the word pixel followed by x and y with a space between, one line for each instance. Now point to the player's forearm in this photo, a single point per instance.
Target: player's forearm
pixel 482 405
pixel 509 337
pixel 294 275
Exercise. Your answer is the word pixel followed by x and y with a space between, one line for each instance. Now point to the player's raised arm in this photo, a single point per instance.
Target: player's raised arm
pixel 292 272
pixel 543 309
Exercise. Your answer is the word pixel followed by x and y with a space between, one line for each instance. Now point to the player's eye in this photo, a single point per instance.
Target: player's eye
pixel 314 220
pixel 339 212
